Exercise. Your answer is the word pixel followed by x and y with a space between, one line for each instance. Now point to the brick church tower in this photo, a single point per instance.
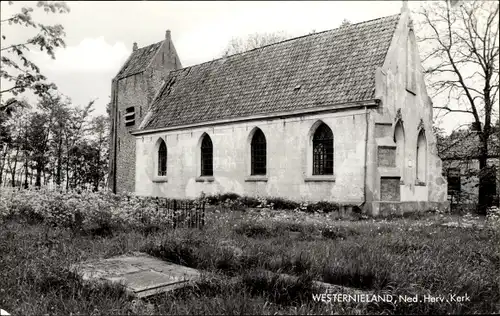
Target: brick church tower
pixel 132 91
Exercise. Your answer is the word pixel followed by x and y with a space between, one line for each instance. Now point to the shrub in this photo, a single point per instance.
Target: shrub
pixel 96 213
pixel 233 201
pixel 217 199
pixel 493 218
pixel 229 196
pixel 282 204
pixel 323 207
pixel 249 201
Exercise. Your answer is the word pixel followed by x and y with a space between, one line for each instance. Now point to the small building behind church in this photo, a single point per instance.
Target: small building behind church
pixel 340 116
pixel 460 155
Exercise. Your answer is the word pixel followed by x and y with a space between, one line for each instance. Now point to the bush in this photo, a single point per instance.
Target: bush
pixel 234 201
pixel 249 201
pixel 96 213
pixel 323 207
pixel 282 204
pixel 217 199
pixel 229 196
pixel 493 218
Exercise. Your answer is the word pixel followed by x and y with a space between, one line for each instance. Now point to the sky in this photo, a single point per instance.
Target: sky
pixel 100 35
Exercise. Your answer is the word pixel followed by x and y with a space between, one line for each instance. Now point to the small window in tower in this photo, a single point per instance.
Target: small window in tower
pixel 129 116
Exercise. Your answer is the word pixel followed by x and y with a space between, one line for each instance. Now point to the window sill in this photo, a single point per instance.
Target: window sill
pixel 160 179
pixel 326 178
pixel 420 184
pixel 256 179
pixel 205 179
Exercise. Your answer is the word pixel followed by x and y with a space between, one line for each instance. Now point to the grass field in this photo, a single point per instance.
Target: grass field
pixel 402 256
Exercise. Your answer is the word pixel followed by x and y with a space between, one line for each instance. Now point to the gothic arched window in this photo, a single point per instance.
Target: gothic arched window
pixel 162 158
pixel 323 150
pixel 421 157
pixel 207 149
pixel 258 153
pixel 399 138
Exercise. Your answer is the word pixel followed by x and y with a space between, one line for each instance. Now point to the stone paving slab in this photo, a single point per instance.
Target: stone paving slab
pixel 140 273
pixel 3 312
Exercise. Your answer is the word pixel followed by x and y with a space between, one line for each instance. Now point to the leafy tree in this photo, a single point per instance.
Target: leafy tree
pixel 16 67
pixel 74 134
pixel 56 142
pixel 17 126
pixel 61 116
pixel 100 141
pixel 37 142
pixel 460 55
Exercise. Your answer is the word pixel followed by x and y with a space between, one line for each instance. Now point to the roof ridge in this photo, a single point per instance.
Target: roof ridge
pixel 331 67
pixel 284 41
pixel 129 69
pixel 148 46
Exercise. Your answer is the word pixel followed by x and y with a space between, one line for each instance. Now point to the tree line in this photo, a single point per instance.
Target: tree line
pixel 54 143
pixel 51 141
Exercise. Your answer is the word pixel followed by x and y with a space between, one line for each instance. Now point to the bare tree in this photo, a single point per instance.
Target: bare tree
pixel 238 45
pixel 460 55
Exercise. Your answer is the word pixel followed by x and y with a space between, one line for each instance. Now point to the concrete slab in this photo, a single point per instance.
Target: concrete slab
pixel 141 274
pixel 2 312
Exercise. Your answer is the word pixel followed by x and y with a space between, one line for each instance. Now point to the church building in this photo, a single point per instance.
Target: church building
pixel 340 116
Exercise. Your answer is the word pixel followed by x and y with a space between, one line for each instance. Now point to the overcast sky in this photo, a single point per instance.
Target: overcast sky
pixel 100 35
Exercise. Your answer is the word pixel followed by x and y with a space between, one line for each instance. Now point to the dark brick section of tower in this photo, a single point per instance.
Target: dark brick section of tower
pixel 132 91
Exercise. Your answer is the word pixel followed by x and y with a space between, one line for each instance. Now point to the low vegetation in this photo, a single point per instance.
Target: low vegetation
pixel 243 255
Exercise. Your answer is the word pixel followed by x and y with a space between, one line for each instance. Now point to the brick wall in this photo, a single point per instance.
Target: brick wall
pixel 132 92
pixel 136 91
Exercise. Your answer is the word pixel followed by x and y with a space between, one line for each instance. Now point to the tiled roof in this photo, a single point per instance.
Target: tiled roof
pixel 321 69
pixel 465 145
pixel 139 60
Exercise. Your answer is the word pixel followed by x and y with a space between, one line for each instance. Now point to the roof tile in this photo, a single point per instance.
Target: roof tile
pixel 331 67
pixel 139 60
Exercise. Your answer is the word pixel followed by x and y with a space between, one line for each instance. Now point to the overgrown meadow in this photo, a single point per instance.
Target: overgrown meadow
pixel 243 250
